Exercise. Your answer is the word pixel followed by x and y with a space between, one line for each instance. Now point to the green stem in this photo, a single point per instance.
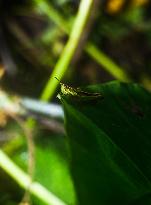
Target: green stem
pixel 69 49
pixel 26 183
pixel 102 59
pixel 46 8
pixel 107 63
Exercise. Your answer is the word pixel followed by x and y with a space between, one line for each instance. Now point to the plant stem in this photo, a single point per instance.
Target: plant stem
pixel 102 59
pixel 107 63
pixel 69 49
pixel 25 181
pixel 46 8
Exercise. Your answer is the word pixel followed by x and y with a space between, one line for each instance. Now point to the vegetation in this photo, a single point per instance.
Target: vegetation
pixel 98 151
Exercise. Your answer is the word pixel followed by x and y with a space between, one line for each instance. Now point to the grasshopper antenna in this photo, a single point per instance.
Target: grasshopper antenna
pixel 57 79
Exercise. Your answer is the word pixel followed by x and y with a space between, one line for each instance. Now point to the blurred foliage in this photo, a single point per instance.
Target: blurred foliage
pixel 31 43
pixel 51 170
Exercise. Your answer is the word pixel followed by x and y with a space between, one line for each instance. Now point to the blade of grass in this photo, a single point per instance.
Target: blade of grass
pixel 110 66
pixel 69 49
pixel 46 8
pixel 25 181
pixel 102 59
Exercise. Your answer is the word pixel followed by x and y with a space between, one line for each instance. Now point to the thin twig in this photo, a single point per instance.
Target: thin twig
pixel 31 153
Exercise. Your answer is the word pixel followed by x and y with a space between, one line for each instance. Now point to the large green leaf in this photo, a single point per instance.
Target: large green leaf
pixel 110 144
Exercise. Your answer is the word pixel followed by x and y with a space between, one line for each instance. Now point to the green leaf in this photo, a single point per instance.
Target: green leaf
pixel 110 144
pixel 51 168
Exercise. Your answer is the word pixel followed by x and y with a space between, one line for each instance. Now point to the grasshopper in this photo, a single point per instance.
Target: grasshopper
pixel 77 92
